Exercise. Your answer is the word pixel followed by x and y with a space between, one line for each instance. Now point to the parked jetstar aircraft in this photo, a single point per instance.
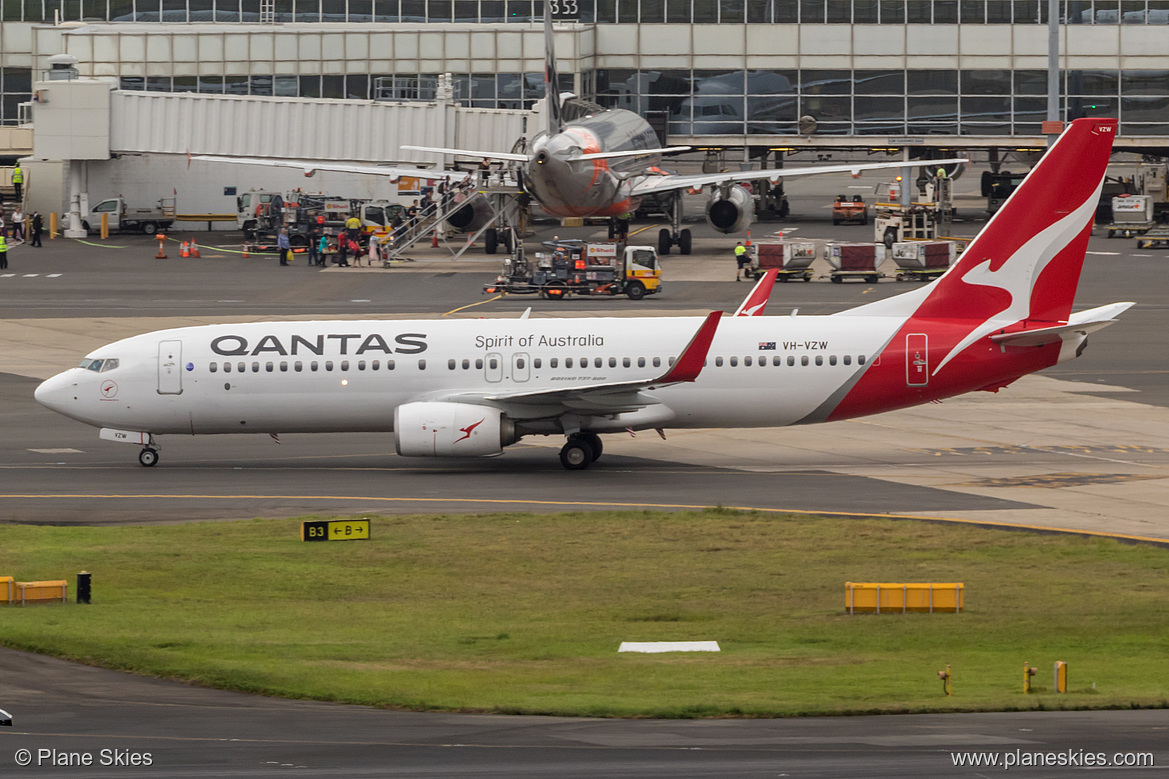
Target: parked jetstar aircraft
pixel 592 161
pixel 450 388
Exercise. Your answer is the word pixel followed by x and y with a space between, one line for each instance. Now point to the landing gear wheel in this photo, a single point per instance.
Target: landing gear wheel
pixel 576 455
pixel 594 442
pixel 635 290
pixel 148 457
pixel 684 242
pixel 490 240
pixel 664 241
pixel 507 241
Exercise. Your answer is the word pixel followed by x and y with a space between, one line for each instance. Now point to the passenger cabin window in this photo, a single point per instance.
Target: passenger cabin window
pixel 832 359
pixel 298 366
pixel 536 362
pixel 848 359
pixel 819 359
pixel 450 364
pixel 422 365
pixel 777 361
pixel 791 361
pixel 747 361
pixel 640 362
pixel 718 362
pixel 312 366
pixel 283 366
pixel 734 362
pixel 466 365
pixel 255 367
pixel 860 359
pixel 328 365
pixel 478 365
pixel 567 362
pixel 804 360
pixel 597 362
pixel 657 362
pixel 389 365
pixel 344 365
pixel 373 366
pixel 554 362
pixel 227 367
pixel 213 367
pixel 269 366
pixel 361 365
pixel 241 367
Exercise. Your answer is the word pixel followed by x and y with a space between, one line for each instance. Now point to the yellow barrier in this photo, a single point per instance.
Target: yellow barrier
pixel 7 589
pixel 41 592
pixel 890 597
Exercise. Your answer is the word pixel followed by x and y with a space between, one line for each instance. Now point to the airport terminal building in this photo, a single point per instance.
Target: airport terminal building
pixel 711 71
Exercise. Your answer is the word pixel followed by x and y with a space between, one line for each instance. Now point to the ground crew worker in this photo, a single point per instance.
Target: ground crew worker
pixel 941 173
pixel 743 259
pixel 17 181
pixel 3 252
pixel 353 227
pixel 623 226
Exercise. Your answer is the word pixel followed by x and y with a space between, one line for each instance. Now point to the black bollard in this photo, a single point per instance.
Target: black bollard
pixel 83 587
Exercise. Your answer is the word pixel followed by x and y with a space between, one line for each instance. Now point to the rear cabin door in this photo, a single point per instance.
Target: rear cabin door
pixel 170 367
pixel 917 365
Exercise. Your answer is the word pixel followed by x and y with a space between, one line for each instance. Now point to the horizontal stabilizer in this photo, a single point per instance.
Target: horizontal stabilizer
pixel 609 155
pixel 1080 324
pixel 487 155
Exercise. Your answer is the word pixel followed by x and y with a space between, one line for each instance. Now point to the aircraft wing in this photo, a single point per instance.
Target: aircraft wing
pixel 648 185
pixel 310 167
pixel 608 398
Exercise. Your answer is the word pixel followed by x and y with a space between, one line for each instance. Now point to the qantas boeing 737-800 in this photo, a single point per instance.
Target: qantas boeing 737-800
pixel 452 388
pixel 596 162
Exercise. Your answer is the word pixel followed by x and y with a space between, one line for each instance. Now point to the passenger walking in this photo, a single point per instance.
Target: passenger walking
pixel 17 181
pixel 18 224
pixel 743 260
pixel 38 226
pixel 283 246
pixel 312 246
pixel 323 249
pixel 342 251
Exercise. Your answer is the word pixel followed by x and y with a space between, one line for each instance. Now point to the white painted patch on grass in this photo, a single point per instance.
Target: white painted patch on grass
pixel 668 646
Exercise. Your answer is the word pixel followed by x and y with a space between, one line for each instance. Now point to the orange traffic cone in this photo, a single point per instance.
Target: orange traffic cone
pixel 194 248
pixel 183 250
pixel 161 249
pixel 434 240
pixel 748 243
pixel 244 254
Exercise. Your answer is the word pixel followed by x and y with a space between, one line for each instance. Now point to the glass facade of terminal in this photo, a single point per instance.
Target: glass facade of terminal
pixel 599 11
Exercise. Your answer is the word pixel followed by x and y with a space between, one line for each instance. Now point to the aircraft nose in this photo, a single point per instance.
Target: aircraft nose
pixel 55 393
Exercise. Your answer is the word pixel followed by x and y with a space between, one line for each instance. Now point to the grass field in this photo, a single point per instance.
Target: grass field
pixel 524 613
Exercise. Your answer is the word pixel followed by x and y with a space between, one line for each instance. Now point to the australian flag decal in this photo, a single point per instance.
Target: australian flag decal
pixel 767 346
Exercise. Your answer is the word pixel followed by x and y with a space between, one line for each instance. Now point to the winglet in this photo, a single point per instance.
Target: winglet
pixel 756 301
pixel 693 357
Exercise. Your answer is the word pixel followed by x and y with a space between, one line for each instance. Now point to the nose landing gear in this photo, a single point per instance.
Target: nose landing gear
pixel 148 456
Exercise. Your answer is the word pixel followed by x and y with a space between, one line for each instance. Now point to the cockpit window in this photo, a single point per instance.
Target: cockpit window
pixel 99 366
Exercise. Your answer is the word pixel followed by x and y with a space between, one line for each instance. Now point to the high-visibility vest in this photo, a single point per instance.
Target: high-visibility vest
pixel 3 244
pixel 740 250
pixel 17 176
pixel 353 223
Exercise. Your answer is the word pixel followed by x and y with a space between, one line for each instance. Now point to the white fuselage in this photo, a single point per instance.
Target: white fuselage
pixel 350 376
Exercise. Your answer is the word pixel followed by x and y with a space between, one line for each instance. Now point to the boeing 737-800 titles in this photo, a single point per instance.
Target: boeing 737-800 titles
pixel 599 163
pixel 453 388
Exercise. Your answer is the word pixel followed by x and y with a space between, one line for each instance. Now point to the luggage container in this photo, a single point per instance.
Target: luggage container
pixel 793 259
pixel 854 260
pixel 923 260
pixel 1131 215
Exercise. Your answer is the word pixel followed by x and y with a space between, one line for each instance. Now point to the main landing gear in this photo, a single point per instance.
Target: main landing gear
pixel 581 451
pixel 675 235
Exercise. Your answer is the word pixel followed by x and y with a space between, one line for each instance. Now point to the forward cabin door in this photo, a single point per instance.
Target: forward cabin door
pixel 917 362
pixel 170 367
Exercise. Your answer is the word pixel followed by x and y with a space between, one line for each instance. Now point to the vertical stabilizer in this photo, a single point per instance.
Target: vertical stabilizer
pixel 1025 264
pixel 551 82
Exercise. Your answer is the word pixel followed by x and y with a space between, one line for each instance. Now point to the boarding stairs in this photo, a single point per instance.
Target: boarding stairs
pixel 501 199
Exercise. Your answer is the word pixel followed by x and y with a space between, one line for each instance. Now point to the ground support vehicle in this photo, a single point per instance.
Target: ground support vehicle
pixel 919 220
pixel 123 218
pixel 1156 238
pixel 260 215
pixel 581 268
pixel 846 210
pixel 923 260
pixel 793 260
pixel 854 261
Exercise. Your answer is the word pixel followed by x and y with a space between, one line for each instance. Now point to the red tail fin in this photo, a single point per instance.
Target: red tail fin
pixel 1025 264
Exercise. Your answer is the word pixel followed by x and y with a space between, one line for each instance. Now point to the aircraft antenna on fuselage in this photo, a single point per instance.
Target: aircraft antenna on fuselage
pixel 551 82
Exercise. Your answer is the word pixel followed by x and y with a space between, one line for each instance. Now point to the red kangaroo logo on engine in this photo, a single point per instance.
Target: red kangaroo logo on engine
pixel 467 430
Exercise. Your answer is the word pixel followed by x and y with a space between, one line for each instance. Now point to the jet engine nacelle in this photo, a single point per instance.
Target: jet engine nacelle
pixel 473 215
pixel 732 213
pixel 438 429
